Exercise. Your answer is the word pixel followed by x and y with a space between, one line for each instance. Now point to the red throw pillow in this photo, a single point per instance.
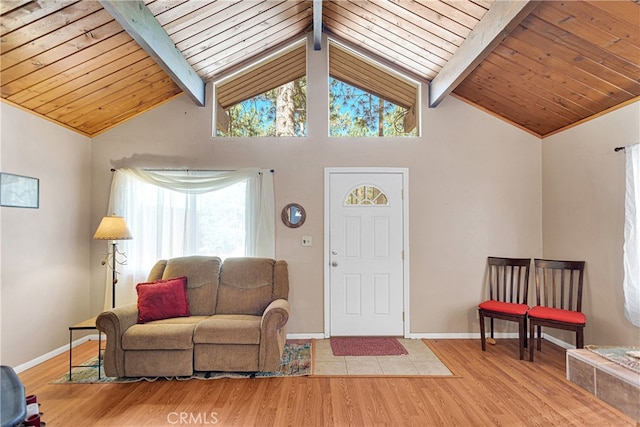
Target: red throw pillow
pixel 162 299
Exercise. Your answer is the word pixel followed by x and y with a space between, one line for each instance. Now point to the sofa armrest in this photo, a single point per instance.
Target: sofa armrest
pixel 114 323
pixel 273 334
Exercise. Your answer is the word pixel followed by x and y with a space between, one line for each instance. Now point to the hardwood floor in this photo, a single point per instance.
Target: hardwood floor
pixel 492 388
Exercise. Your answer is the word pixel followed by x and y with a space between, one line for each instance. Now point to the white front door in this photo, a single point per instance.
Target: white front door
pixel 366 242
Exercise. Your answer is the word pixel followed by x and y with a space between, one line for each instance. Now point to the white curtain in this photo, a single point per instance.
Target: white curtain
pixel 167 224
pixel 632 236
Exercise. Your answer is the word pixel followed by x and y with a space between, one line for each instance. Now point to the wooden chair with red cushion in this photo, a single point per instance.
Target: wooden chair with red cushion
pixel 558 300
pixel 508 282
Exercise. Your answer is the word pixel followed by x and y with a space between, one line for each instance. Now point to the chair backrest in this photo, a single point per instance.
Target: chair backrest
pixel 559 284
pixel 249 285
pixel 509 279
pixel 202 280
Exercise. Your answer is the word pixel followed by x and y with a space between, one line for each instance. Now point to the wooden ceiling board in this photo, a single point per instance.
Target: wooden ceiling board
pixel 92 70
pixel 255 43
pixel 404 42
pixel 206 33
pixel 560 84
pixel 622 10
pixel 61 71
pixel 34 25
pixel 582 59
pixel 413 29
pixel 536 85
pixel 72 63
pixel 224 33
pixel 521 94
pixel 211 15
pixel 161 84
pixel 10 5
pixel 582 47
pixel 56 45
pixel 588 23
pixel 184 11
pixel 67 61
pixel 448 27
pixel 96 88
pixel 564 61
pixel 159 96
pixel 361 37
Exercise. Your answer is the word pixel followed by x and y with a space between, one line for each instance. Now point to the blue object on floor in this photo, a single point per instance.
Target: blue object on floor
pixel 13 408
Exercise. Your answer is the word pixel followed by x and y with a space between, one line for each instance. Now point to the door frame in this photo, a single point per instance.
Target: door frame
pixel 328 171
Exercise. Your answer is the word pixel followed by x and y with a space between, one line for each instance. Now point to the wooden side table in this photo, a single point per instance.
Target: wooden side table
pixel 89 324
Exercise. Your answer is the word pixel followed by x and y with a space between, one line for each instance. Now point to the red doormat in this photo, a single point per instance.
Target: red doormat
pixel 366 346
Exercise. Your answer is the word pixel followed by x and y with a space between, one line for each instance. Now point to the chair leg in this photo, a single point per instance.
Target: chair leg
pixel 521 336
pixel 481 317
pixel 539 338
pixel 579 338
pixel 532 338
pixel 491 318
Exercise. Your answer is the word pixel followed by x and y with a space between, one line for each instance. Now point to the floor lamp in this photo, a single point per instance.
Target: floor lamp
pixel 113 228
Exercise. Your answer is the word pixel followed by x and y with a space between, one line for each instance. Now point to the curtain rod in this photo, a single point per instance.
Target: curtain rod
pixel 192 170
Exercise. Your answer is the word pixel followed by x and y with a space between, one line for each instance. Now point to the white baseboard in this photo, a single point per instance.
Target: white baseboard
pixel 54 353
pixel 310 336
pixel 459 336
pixel 476 335
pixel 558 342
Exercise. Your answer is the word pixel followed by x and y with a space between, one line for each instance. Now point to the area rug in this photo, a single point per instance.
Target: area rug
pixel 421 361
pixel 296 361
pixel 619 355
pixel 366 346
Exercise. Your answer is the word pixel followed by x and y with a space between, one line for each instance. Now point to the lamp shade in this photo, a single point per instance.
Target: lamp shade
pixel 112 228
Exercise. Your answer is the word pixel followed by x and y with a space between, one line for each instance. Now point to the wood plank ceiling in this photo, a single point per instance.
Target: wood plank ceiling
pixel 567 61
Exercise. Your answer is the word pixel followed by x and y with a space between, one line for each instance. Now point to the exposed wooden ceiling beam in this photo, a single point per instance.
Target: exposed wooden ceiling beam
pixel 492 29
pixel 317 24
pixel 139 22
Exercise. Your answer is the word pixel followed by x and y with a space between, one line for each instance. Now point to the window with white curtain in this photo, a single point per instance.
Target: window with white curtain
pixel 180 213
pixel 170 223
pixel 632 235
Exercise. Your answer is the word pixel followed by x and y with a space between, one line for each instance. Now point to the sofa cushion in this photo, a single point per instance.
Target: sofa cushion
pixel 246 286
pixel 558 314
pixel 162 299
pixel 202 286
pixel 159 336
pixel 504 307
pixel 228 329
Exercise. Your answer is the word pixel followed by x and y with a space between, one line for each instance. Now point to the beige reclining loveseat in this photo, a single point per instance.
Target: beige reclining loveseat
pixel 238 312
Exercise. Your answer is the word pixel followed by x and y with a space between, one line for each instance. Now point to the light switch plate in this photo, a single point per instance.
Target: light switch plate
pixel 306 241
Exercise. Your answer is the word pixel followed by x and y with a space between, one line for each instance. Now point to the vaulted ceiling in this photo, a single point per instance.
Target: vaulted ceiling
pixel 542 66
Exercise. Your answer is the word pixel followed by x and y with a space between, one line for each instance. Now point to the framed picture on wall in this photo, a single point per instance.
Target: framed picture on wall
pixel 19 191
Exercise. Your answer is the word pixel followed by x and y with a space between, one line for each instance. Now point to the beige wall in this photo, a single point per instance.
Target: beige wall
pixel 45 251
pixel 583 216
pixel 474 188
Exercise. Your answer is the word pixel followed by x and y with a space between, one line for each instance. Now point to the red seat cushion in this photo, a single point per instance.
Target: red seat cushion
pixel 558 314
pixel 504 307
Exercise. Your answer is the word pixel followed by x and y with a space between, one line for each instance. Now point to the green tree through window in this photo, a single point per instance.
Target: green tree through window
pixel 278 112
pixel 355 112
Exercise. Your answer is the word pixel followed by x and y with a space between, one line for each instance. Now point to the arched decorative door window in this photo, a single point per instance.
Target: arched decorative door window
pixel 366 195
